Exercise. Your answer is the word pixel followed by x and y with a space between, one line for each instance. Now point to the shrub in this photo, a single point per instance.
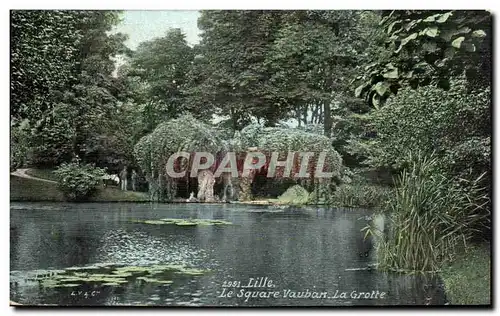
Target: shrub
pixel 430 217
pixel 78 181
pixel 360 195
pixel 455 125
pixel 294 195
pixel 19 144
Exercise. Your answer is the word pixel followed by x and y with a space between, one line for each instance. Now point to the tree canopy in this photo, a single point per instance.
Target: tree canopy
pixel 359 84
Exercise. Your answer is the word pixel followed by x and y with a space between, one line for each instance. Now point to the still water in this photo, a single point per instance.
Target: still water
pixel 269 256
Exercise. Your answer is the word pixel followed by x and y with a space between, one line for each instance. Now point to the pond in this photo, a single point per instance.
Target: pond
pixel 130 254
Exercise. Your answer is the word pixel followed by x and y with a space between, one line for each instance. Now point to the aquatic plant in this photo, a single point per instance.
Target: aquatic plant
pixel 184 222
pixel 153 280
pixel 430 218
pixel 112 275
pixel 360 195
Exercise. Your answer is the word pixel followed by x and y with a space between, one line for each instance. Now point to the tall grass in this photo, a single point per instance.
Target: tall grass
pixel 430 217
pixel 360 195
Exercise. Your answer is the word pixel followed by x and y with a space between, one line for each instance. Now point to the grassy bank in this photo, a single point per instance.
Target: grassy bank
pixel 47 174
pixel 467 281
pixel 23 189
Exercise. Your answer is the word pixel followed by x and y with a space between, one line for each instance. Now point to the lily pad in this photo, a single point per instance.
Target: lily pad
pixel 50 283
pixel 152 280
pixel 67 285
pixel 221 222
pixel 191 271
pixel 122 274
pixel 154 222
pixel 185 222
pixel 116 275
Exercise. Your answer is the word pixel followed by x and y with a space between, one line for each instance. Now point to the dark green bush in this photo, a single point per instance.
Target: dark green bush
pixel 78 181
pixel 453 125
pixel 19 144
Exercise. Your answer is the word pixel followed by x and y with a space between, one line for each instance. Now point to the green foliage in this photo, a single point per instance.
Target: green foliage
pixel 360 195
pixel 185 133
pixel 41 61
pixel 295 195
pixel 281 139
pixel 78 181
pixel 467 281
pixel 429 47
pixel 181 134
pixel 276 64
pixel 184 222
pixel 285 140
pixel 232 73
pixel 189 134
pixel 47 174
pixel 62 84
pixel 163 64
pixel 430 218
pixel 19 144
pixel 24 189
pixel 313 58
pixel 454 125
pixel 350 134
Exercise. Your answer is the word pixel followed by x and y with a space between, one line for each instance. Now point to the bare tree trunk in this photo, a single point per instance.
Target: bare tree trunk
pixel 327 117
pixel 320 116
pixel 297 111
pixel 234 119
pixel 315 114
pixel 305 113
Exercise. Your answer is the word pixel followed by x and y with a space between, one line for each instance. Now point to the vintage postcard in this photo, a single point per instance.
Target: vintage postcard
pixel 259 158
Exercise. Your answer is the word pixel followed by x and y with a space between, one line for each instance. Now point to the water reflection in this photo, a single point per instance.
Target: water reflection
pixel 317 249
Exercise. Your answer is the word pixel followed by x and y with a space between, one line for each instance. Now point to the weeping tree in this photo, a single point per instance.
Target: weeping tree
pixel 188 134
pixel 182 134
pixel 284 140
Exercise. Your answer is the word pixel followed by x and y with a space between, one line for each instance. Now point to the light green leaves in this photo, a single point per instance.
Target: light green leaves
pixel 359 90
pixel 391 72
pixel 425 46
pixel 430 31
pixel 406 40
pixel 458 42
pixel 479 34
pixel 439 18
pixel 444 17
pixel 382 88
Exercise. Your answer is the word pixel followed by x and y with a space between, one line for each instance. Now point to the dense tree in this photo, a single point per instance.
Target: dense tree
pixel 73 116
pixel 314 57
pixel 162 64
pixel 453 125
pixel 233 46
pixel 44 45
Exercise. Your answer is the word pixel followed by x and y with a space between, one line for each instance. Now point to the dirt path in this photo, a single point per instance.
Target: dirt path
pixel 22 173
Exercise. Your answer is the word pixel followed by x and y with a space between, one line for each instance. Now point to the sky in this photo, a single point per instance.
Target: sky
pixel 146 25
